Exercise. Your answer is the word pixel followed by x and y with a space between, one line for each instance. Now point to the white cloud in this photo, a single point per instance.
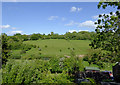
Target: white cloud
pixel 88 23
pixel 52 17
pixel 14 32
pixel 5 26
pixel 82 30
pixel 13 28
pixel 79 9
pixel 71 23
pixel 63 19
pixel 71 31
pixel 95 17
pixel 75 9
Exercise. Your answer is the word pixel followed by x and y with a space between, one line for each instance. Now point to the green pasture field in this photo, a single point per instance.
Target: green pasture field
pixel 59 47
pixel 52 47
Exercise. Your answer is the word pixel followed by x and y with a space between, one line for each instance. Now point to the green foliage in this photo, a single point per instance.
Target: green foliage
pixel 35 71
pixel 46 46
pixel 34 37
pixel 108 31
pixel 16 54
pixel 22 52
pixel 26 47
pixel 97 57
pixel 5 49
pixel 60 50
pixel 73 64
pixel 55 65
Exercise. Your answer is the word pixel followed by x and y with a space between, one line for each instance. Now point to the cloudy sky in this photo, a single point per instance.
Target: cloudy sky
pixel 46 17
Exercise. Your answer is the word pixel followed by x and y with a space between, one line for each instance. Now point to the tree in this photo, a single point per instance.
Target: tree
pixel 17 34
pixel 5 49
pixel 34 37
pixel 52 33
pixel 108 31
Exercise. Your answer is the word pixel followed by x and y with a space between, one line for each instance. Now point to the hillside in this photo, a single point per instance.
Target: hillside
pixel 59 47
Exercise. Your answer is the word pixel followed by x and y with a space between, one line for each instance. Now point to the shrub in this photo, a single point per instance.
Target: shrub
pixel 85 58
pixel 26 47
pixel 60 50
pixel 54 64
pixel 73 48
pixel 40 53
pixel 22 52
pixel 34 46
pixel 46 46
pixel 68 48
pixel 18 56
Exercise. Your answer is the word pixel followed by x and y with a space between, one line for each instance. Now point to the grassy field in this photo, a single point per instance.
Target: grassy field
pixel 55 47
pixel 52 47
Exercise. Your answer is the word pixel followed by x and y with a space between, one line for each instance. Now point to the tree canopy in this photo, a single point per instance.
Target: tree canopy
pixel 108 31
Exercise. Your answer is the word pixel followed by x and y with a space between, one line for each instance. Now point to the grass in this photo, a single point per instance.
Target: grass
pixel 59 47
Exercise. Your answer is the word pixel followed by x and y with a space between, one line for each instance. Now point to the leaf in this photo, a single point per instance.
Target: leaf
pixel 99 21
pixel 100 15
pixel 111 13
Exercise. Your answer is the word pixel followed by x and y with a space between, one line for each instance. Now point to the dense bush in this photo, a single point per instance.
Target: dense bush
pixel 26 47
pixel 22 52
pixel 97 57
pixel 46 46
pixel 35 71
pixel 18 56
pixel 34 37
pixel 55 65
pixel 5 49
pixel 73 64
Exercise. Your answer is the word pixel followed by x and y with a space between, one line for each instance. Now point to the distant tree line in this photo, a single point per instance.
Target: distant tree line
pixel 83 35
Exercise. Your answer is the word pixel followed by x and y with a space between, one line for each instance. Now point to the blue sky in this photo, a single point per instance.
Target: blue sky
pixel 46 17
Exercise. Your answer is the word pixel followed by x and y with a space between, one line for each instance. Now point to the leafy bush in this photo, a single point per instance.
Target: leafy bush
pixel 22 52
pixel 68 48
pixel 46 46
pixel 60 50
pixel 27 71
pixel 26 47
pixel 15 57
pixel 55 65
pixel 97 57
pixel 73 64
pixel 34 37
pixel 34 46
pixel 85 58
pixel 40 53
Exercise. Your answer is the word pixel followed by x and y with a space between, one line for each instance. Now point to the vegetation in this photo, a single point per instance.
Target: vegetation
pixel 106 43
pixel 108 32
pixel 42 61
pixel 55 58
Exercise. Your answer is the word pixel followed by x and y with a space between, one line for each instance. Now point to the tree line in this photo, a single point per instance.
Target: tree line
pixel 83 35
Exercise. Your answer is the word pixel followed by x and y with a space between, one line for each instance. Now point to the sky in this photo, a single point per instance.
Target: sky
pixel 47 17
